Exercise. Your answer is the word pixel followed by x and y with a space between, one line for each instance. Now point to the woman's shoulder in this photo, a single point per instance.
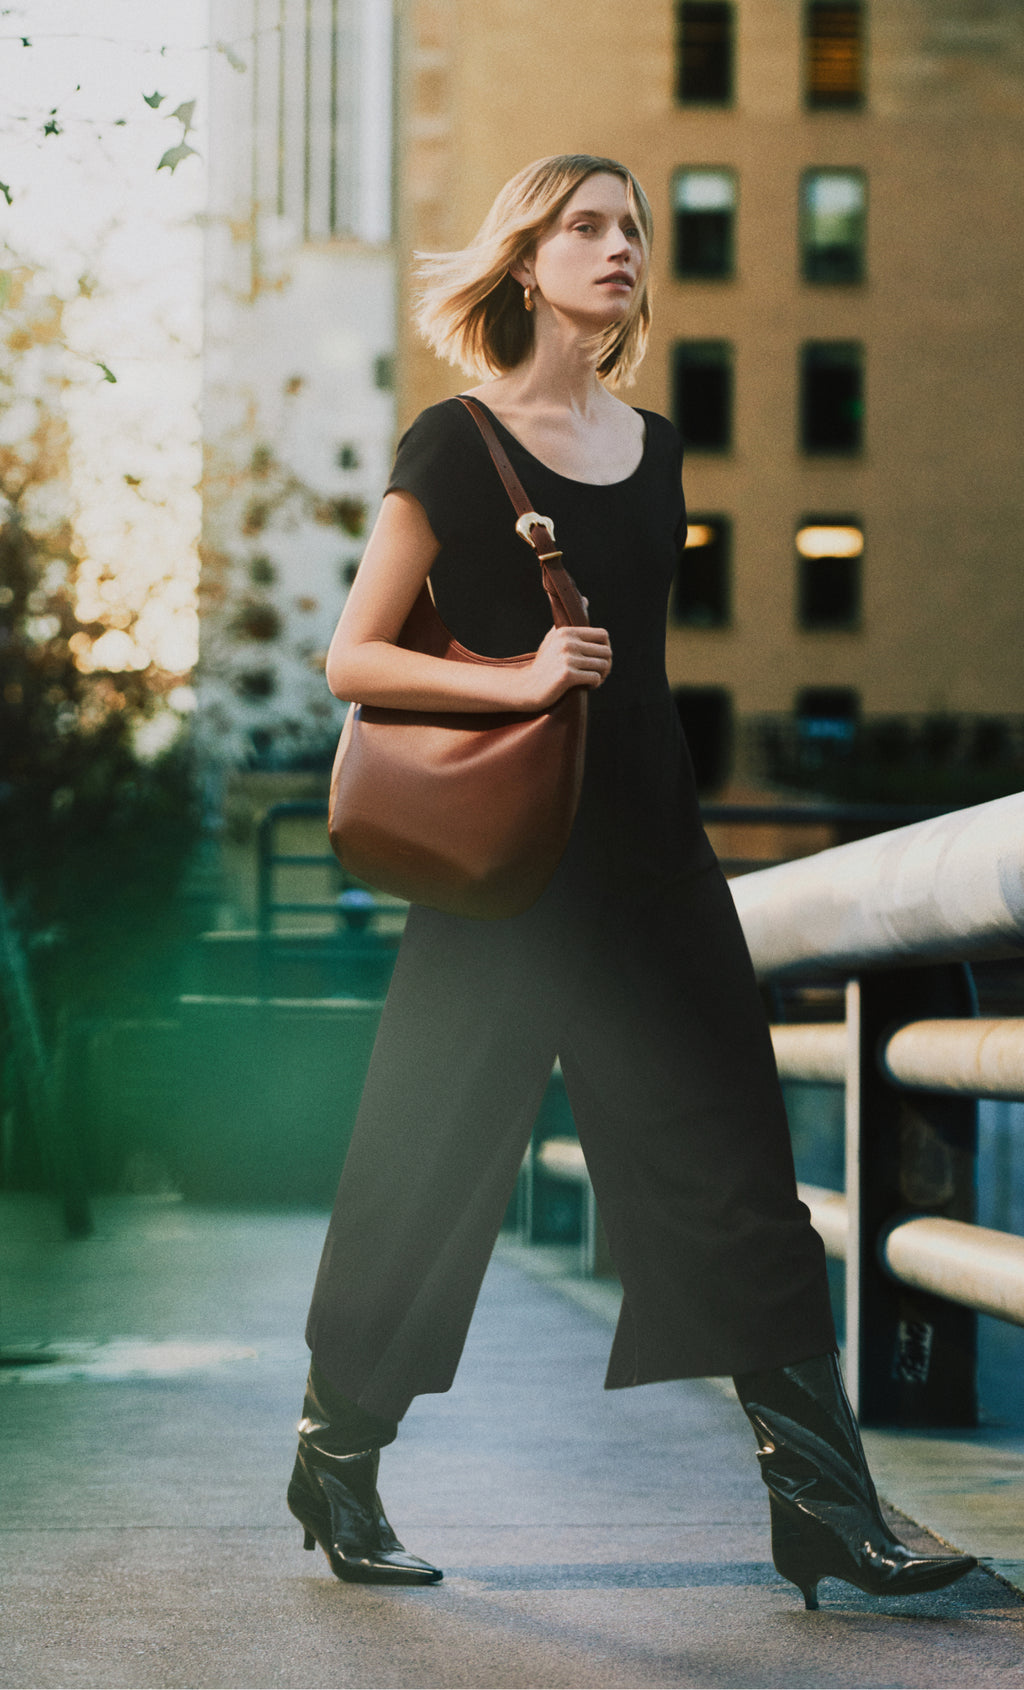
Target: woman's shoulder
pixel 438 424
pixel 434 461
pixel 661 431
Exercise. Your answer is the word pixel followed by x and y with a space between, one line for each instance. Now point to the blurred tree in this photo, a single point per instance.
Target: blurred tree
pixel 96 810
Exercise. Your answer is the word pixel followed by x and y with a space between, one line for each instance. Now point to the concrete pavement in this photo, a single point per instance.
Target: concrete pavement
pixel 589 1538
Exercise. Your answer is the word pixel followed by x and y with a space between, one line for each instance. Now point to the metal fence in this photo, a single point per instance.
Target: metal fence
pixel 901 917
pixel 843 822
pixel 897 920
pixel 894 921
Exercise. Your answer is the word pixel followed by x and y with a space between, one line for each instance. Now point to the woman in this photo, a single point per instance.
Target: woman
pixel 631 967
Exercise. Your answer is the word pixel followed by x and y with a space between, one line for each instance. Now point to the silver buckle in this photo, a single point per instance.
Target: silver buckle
pixel 532 519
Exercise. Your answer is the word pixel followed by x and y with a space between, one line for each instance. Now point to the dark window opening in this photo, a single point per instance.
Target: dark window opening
pixel 834 55
pixel 706 717
pixel 704 214
pixel 702 394
pixel 704 52
pixel 829 553
pixel 828 713
pixel 348 455
pixel 831 397
pixel 262 571
pixel 832 206
pixel 700 597
pixel 256 684
pixel 256 619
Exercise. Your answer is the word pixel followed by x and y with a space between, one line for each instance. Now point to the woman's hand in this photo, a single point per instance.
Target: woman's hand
pixel 365 662
pixel 566 657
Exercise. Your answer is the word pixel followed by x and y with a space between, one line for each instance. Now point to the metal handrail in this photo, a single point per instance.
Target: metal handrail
pixel 899 916
pixel 810 813
pixel 905 910
pixel 950 888
pixel 977 1058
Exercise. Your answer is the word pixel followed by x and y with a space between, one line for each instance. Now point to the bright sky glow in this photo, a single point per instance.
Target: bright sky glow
pixel 90 200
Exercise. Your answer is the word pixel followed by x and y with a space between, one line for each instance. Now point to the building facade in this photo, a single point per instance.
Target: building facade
pixel 298 404
pixel 838 325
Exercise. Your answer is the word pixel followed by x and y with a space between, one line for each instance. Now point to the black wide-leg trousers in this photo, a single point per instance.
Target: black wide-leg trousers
pixel 652 1006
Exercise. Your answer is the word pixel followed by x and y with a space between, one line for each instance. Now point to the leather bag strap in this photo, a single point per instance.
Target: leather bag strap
pixel 567 605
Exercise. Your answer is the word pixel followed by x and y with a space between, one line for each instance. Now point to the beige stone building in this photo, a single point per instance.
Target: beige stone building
pixel 837 189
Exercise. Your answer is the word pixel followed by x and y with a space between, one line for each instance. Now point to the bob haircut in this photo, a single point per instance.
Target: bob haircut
pixel 471 311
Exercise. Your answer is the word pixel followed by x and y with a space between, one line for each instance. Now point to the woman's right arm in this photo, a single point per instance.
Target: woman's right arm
pixel 365 664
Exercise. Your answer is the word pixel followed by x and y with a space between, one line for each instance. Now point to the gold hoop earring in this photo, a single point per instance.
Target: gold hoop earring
pixel 527 298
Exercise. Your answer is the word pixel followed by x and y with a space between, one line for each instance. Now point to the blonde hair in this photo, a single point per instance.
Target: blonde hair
pixel 471 310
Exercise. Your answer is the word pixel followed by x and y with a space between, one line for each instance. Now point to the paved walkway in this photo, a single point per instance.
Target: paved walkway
pixel 589 1538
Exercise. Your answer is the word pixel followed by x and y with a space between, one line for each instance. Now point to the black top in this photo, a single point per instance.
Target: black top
pixel 639 822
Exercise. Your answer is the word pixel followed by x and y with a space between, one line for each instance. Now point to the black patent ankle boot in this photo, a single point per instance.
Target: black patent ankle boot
pixel 826 1521
pixel 333 1492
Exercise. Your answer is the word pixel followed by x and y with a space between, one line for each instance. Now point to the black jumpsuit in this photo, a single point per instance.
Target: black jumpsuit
pixel 632 969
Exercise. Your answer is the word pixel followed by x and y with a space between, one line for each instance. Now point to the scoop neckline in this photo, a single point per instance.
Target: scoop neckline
pixel 572 480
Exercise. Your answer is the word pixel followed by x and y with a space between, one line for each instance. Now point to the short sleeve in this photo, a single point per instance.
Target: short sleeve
pixel 430 464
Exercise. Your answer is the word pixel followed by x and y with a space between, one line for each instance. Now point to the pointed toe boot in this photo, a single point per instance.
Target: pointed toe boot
pixel 334 1498
pixel 333 1493
pixel 826 1519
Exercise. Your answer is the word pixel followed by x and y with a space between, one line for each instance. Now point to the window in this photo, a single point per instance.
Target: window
pixel 831 397
pixel 833 55
pixel 832 205
pixel 700 598
pixel 829 551
pixel 704 53
pixel 827 713
pixel 706 717
pixel 256 684
pixel 702 394
pixel 704 210
pixel 322 116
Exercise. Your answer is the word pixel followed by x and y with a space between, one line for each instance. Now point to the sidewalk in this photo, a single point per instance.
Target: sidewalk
pixel 589 1538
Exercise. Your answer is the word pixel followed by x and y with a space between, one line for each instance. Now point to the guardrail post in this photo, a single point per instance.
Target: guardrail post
pixel 265 870
pixel 911 1357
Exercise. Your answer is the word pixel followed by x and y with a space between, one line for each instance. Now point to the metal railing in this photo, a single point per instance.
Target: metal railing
pixel 845 821
pixel 898 917
pixel 269 859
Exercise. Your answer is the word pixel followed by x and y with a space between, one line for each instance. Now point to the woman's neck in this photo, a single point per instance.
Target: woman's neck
pixel 560 374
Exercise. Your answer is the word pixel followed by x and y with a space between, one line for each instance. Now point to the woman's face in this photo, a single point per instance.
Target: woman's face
pixel 588 263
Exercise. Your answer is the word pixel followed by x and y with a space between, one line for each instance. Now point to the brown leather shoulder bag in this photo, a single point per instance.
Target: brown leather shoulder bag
pixel 465 812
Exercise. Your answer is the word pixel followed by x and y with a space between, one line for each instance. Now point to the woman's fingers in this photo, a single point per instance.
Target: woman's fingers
pixel 588 661
pixel 570 657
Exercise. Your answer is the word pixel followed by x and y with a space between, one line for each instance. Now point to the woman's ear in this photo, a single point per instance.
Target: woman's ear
pixel 522 272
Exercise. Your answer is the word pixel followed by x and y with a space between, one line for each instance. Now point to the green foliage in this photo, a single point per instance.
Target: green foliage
pixel 174 155
pixel 93 838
